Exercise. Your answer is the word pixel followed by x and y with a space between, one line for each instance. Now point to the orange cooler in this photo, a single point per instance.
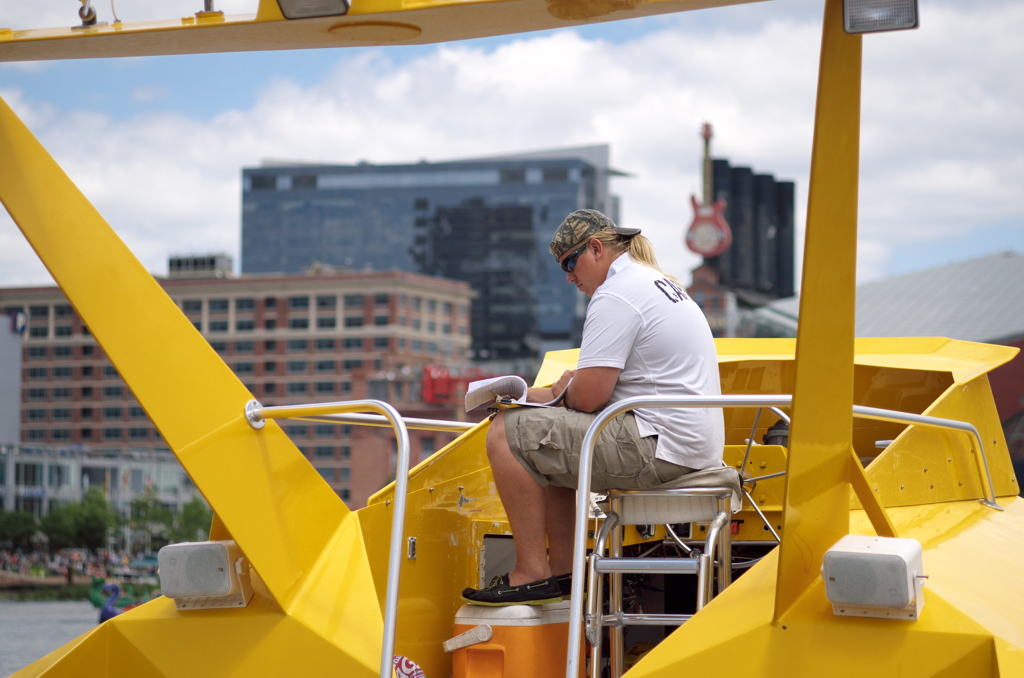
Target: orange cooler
pixel 514 641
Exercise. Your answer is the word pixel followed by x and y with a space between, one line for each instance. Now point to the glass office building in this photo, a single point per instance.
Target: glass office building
pixel 486 221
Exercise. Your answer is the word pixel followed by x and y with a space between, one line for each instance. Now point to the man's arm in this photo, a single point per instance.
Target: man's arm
pixel 591 388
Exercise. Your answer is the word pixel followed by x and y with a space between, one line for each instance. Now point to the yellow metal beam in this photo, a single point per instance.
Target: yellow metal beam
pixel 271 500
pixel 369 22
pixel 817 500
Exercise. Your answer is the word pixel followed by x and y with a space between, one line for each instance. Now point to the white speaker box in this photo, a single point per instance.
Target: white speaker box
pixel 874 577
pixel 205 575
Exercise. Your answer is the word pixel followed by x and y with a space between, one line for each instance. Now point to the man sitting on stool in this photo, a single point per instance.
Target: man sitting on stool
pixel 642 336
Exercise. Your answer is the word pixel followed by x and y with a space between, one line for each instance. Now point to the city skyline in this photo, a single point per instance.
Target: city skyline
pixel 157 144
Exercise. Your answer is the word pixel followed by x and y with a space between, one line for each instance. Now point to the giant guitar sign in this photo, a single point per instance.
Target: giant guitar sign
pixel 709 234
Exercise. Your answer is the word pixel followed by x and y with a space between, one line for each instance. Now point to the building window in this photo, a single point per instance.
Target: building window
pixel 63 311
pixel 269 324
pixel 297 388
pixel 136 413
pixel 345 494
pixel 39 332
pixel 244 325
pixel 87 391
pixel 298 323
pixel 244 347
pixel 298 346
pixel 63 331
pixel 219 346
pixel 198 324
pixel 112 412
pixel 380 320
pixel 192 306
pixel 325 365
pixel 345 473
pixel 86 371
pixel 327 302
pixel 61 414
pixel 113 434
pixel 380 342
pixel 37 352
pixel 324 430
pixel 354 321
pixel 296 431
pixel 109 372
pixel 325 344
pixel 446 308
pixel 323 452
pixel 219 305
pixel 431 326
pixel 60 434
pixel 353 343
pixel 37 373
pixel 380 300
pixel 270 388
pixel 138 433
pixel 269 367
pixel 417 346
pixel 297 366
pixel 298 303
pixel 416 324
pixel 245 304
pixel 346 386
pixel 218 326
pixel 86 434
pixel 36 434
pixel 39 311
pixel 417 303
pixel 113 392
pixel 431 305
pixel 352 364
pixel 244 368
pixel 37 415
pixel 326 323
pixel 326 473
pixel 63 393
pixel 325 387
pixel 57 475
pixel 61 372
pixel 269 346
pixel 354 301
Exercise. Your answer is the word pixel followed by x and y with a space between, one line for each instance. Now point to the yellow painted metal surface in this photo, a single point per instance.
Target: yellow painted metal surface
pixel 369 22
pixel 293 528
pixel 971 624
pixel 816 508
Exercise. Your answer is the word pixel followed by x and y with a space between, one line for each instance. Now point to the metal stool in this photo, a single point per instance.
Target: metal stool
pixel 707 495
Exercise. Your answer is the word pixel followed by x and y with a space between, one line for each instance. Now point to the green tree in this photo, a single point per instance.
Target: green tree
pixel 59 526
pixel 95 518
pixel 17 528
pixel 193 522
pixel 148 515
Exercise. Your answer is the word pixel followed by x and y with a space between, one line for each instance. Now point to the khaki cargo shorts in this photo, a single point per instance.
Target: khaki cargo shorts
pixel 547 442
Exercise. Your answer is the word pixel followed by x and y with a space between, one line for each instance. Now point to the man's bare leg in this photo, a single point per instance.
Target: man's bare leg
pixel 560 524
pixel 524 502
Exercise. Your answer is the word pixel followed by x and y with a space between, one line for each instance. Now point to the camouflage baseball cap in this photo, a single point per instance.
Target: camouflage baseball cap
pixel 580 226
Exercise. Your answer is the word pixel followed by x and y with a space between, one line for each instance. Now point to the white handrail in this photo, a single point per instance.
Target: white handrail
pixel 257 415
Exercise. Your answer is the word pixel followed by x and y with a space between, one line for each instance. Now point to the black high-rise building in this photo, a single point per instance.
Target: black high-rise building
pixel 759 210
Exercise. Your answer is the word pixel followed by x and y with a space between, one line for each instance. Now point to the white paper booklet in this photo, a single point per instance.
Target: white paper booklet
pixel 510 388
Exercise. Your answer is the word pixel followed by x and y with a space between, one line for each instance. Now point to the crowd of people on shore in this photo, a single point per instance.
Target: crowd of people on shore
pixel 71 564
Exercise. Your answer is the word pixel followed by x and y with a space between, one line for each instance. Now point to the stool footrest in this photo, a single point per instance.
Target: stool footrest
pixel 648 565
pixel 645 619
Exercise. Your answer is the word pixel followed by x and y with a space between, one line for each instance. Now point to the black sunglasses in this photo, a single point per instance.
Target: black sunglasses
pixel 569 263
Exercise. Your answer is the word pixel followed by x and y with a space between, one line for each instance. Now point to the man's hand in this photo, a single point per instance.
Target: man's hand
pixel 562 383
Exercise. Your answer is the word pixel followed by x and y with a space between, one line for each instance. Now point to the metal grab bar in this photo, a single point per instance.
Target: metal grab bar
pixel 771 401
pixel 257 415
pixel 583 491
pixel 410 422
pixel 878 414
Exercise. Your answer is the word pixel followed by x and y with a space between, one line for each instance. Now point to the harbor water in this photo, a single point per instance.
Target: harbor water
pixel 30 630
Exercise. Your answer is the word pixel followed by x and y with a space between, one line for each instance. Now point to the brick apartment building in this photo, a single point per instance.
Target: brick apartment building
pixel 318 337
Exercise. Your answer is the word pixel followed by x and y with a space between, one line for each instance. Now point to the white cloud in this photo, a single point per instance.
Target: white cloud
pixel 941 144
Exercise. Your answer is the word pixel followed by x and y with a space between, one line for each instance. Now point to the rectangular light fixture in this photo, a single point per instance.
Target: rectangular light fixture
pixel 874 577
pixel 875 16
pixel 305 9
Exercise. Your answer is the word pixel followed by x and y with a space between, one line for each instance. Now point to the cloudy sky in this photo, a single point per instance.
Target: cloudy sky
pixel 157 144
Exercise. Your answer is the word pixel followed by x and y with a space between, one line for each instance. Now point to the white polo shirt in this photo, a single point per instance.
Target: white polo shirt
pixel 644 324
